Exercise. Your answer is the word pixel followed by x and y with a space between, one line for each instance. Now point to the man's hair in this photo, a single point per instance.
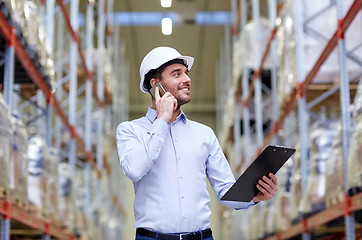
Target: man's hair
pixel 157 73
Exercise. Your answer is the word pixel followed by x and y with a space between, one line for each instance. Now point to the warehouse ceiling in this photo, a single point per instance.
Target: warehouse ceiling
pixel 190 38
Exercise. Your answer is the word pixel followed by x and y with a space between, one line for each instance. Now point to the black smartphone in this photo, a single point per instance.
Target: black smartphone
pixel 161 89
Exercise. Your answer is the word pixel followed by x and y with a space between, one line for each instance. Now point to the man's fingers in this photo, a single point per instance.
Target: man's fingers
pixel 266 193
pixel 157 93
pixel 266 186
pixel 274 178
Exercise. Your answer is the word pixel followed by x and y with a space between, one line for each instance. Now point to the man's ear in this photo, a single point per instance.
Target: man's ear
pixel 153 81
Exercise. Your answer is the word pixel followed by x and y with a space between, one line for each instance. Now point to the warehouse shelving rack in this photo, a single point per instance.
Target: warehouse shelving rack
pixel 55 102
pixel 295 98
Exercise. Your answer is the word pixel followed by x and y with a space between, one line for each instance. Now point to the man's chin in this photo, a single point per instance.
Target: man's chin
pixel 183 101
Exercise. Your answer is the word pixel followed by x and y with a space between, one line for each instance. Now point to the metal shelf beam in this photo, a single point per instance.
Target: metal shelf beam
pixel 13 212
pixel 333 212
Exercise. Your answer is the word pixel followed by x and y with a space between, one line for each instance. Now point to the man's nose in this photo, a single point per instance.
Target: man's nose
pixel 187 78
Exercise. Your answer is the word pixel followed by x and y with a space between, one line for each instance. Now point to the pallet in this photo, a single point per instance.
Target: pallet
pixel 19 203
pixel 332 199
pixel 55 222
pixel 354 191
pixel 4 193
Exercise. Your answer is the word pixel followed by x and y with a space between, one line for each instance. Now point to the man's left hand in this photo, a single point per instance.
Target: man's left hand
pixel 267 187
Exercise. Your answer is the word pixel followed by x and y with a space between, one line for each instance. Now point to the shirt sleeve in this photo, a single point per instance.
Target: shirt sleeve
pixel 138 151
pixel 220 175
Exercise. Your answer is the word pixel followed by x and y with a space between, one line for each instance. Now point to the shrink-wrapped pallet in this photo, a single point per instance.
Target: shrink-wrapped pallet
pixel 19 162
pixel 16 8
pixel 267 217
pixel 282 204
pixel 30 31
pixel 286 50
pixel 334 171
pixel 251 43
pixel 65 190
pixel 6 132
pixel 38 174
pixel 79 194
pixel 296 186
pixel 319 24
pixel 114 226
pixel 322 134
pixel 244 223
pixel 34 31
pixel 254 223
pixel 355 150
pixel 52 186
pixel 355 161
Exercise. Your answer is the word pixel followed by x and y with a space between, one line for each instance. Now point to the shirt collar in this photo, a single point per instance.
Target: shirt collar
pixel 152 115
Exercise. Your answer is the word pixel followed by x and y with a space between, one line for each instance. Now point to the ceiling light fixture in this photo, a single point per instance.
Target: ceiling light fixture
pixel 166 3
pixel 166 26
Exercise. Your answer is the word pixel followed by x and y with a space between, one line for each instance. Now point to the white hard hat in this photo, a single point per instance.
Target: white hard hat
pixel 157 57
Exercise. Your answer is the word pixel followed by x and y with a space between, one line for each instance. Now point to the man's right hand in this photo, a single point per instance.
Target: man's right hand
pixel 165 105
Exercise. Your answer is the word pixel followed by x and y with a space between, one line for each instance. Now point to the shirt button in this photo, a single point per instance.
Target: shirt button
pixel 182 196
pixel 181 177
pixel 183 217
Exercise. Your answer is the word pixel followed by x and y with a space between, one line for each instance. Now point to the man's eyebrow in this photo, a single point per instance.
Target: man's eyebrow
pixel 178 69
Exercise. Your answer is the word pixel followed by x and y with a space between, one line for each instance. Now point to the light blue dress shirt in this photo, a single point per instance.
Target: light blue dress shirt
pixel 168 164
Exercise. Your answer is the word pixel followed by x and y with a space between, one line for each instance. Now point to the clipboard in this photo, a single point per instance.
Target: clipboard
pixel 269 161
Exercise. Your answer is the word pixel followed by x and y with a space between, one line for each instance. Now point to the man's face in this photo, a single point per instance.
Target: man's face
pixel 175 79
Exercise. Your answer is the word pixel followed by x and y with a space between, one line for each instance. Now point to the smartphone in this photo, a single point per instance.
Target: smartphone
pixel 161 89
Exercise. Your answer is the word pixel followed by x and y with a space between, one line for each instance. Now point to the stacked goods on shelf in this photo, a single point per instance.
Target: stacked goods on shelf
pixel 79 194
pixel 30 30
pixel 247 59
pixel 38 169
pixel 6 131
pixel 286 54
pixel 237 60
pixel 355 151
pixel 65 188
pixel 320 25
pixel 296 186
pixel 266 217
pixel 19 163
pixel 52 186
pixel 254 232
pixel 34 31
pixel 105 213
pixel 251 43
pixel 334 171
pixel 281 219
pixel 317 27
pixel 321 138
pixel 244 224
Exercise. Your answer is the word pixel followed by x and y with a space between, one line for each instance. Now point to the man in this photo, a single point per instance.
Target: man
pixel 168 157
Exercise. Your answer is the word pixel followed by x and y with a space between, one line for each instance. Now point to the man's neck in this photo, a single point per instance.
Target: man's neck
pixel 175 114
